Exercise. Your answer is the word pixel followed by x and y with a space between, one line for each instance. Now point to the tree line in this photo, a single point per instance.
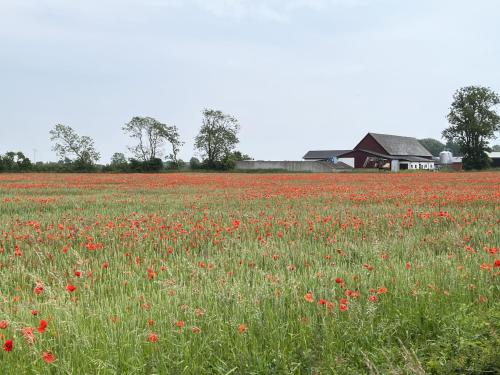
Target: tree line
pixel 216 142
pixel 472 117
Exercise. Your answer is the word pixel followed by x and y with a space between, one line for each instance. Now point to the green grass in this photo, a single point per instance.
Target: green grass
pixel 297 234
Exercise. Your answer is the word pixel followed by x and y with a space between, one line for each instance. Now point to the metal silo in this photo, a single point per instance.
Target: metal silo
pixel 445 157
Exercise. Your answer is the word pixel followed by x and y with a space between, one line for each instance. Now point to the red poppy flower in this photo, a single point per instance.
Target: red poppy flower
pixel 71 288
pixel 381 290
pixel 179 324
pixel 373 298
pixel 196 329
pixel 42 326
pixel 152 337
pixel 48 357
pixel 497 263
pixel 3 324
pixel 343 307
pixel 38 289
pixel 338 280
pixel 309 297
pixel 242 328
pixel 8 346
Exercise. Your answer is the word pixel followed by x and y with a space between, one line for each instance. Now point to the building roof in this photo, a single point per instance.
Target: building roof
pixel 401 146
pixel 324 154
pixel 397 157
pixel 341 165
pixel 494 154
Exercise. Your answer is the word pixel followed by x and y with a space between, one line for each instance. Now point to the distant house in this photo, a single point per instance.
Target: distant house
pixel 495 158
pixel 377 150
pixel 333 156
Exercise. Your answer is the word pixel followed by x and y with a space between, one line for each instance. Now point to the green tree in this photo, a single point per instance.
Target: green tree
pixel 217 138
pixel 23 163
pixel 432 145
pixel 454 148
pixel 151 135
pixel 118 162
pixel 194 163
pixel 69 144
pixel 473 122
pixel 495 148
pixel 15 161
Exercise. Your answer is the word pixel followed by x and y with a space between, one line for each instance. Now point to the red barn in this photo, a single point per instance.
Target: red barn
pixel 377 150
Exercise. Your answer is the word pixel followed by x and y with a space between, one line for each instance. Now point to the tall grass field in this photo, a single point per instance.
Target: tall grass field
pixel 250 273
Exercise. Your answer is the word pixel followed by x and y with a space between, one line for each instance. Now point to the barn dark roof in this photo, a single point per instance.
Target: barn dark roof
pixel 325 154
pixel 402 146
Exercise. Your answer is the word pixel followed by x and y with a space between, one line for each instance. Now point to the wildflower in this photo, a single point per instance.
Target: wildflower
pixel 38 288
pixel 8 346
pixel 151 322
pixel 343 307
pixel 485 266
pixel 71 288
pixel 198 312
pixel 179 324
pixel 152 337
pixel 309 297
pixel 373 298
pixel 3 324
pixel 48 357
pixel 196 329
pixel 322 301
pixel 34 312
pixel 242 328
pixel 483 299
pixel 497 263
pixel 338 280
pixel 381 290
pixel 42 326
pixel 28 335
pixel 408 265
pixel 77 273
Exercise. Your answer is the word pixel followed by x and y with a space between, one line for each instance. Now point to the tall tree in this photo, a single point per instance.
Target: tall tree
pixel 151 136
pixel 473 122
pixel 69 144
pixel 432 145
pixel 217 137
pixel 454 148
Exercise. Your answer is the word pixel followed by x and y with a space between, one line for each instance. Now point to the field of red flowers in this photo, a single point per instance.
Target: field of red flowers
pixel 250 274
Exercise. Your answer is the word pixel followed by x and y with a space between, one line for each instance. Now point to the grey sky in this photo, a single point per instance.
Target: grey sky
pixel 298 74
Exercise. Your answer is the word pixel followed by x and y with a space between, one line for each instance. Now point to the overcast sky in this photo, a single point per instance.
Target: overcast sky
pixel 298 74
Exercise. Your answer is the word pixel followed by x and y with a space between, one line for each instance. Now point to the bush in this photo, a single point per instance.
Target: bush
pixel 194 163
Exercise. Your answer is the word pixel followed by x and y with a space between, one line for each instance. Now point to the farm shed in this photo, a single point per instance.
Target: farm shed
pixel 378 150
pixel 333 156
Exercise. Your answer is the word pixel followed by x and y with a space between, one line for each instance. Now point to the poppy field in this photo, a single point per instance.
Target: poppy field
pixel 250 273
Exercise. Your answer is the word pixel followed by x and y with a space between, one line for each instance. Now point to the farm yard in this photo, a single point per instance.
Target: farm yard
pixel 250 274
